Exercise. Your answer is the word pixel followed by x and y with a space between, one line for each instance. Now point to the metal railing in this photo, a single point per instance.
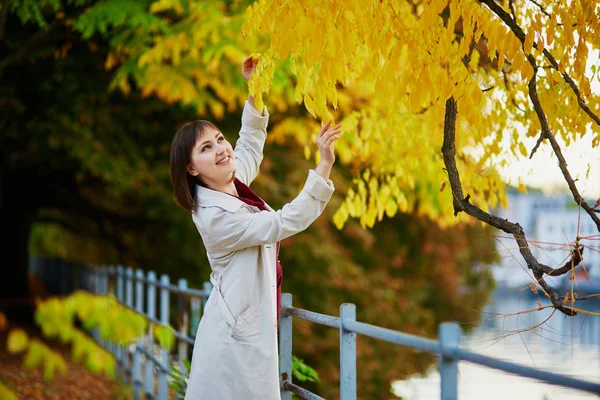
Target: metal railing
pixel 143 365
pixel 447 347
pixel 143 356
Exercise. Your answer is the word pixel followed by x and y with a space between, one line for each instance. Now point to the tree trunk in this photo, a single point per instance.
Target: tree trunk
pixel 16 217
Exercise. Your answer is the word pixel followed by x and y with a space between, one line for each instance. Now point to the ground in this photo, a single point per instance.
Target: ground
pixel 78 383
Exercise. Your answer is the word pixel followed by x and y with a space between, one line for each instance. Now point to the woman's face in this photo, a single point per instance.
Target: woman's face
pixel 213 159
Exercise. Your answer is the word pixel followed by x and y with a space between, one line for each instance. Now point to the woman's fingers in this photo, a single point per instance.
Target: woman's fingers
pixel 330 132
pixel 324 128
pixel 332 139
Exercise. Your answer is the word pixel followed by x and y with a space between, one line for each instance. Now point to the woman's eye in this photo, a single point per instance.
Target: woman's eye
pixel 221 139
pixel 206 147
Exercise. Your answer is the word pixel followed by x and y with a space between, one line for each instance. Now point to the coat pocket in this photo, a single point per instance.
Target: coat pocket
pixel 248 326
pixel 226 322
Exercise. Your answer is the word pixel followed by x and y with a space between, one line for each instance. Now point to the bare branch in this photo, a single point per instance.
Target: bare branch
pixel 569 265
pixel 537 144
pixel 462 203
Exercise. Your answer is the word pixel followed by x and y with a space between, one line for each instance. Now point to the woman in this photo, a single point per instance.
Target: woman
pixel 235 353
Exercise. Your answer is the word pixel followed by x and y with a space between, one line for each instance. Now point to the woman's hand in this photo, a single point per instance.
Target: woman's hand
pixel 248 67
pixel 327 137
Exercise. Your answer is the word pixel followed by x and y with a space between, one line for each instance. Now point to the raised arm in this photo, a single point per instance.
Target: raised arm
pixel 249 146
pixel 231 231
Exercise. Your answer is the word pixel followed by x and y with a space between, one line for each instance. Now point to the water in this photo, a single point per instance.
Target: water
pixel 566 345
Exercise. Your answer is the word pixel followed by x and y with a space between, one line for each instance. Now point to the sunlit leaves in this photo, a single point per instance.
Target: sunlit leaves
pixel 40 355
pixel 6 393
pixel 165 336
pixel 17 341
pixel 405 63
pixel 56 317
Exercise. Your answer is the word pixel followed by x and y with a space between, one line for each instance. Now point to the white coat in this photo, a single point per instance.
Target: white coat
pixel 235 354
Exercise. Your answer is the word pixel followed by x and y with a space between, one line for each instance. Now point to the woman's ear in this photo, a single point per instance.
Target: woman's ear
pixel 191 170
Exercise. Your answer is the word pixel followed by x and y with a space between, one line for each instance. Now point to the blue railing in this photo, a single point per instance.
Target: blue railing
pixel 155 364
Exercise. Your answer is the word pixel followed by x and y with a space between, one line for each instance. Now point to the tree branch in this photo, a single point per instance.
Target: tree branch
pixel 542 9
pixel 463 204
pixel 511 23
pixel 572 263
pixel 546 132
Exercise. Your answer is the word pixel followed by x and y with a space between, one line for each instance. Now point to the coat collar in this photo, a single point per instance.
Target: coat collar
pixel 212 198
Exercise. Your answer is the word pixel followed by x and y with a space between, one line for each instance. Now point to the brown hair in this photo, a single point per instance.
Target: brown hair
pixel 184 184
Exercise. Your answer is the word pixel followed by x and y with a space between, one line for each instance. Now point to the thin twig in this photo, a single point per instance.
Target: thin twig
pixel 546 132
pixel 541 8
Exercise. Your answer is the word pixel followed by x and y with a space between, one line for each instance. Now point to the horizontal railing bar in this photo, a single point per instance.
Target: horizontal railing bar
pixel 305 394
pixel 522 370
pixel 311 316
pixel 185 338
pixel 388 335
pixel 172 288
pixel 178 335
pixel 151 357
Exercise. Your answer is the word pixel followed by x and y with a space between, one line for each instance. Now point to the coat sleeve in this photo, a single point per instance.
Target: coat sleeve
pixel 249 146
pixel 231 231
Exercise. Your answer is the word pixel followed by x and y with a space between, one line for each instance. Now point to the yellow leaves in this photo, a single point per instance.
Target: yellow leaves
pixel 341 216
pixel 522 149
pixel 17 341
pixel 165 336
pixel 39 354
pixel 533 288
pixel 309 103
pixel 349 15
pixel 164 5
pixel 307 152
pixel 528 43
pixel 6 393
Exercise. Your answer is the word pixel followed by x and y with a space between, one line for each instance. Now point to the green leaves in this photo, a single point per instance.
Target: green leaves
pixel 180 378
pixel 303 372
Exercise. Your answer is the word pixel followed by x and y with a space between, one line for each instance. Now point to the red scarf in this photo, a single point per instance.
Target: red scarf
pixel 246 195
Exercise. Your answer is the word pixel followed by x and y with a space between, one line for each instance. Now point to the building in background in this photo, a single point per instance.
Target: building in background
pixel 551 224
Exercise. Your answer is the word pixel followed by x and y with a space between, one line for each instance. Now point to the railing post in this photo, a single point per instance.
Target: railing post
pixel 95 276
pixel 119 351
pixel 285 346
pixel 164 318
pixel 347 353
pixel 183 324
pixel 112 346
pixel 129 302
pixel 103 279
pixel 449 337
pixel 137 355
pixel 120 284
pixel 151 312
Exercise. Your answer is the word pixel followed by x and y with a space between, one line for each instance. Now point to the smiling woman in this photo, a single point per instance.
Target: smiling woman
pixel 235 353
